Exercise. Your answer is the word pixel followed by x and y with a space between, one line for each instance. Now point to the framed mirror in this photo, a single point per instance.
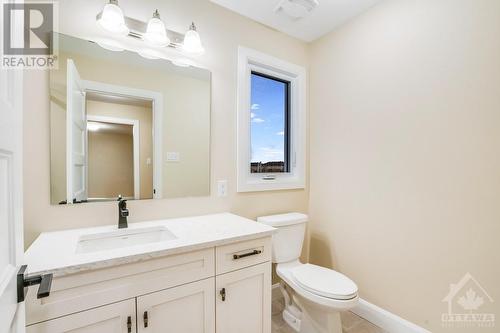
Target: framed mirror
pixel 125 125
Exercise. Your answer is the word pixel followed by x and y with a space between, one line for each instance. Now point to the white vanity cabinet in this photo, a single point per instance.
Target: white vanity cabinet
pixel 185 309
pixel 114 318
pixel 223 289
pixel 244 300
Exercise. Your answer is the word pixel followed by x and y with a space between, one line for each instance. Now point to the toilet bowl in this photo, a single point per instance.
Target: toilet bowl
pixel 314 295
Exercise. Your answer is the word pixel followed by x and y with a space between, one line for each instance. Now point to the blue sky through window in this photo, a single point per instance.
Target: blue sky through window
pixel 267 119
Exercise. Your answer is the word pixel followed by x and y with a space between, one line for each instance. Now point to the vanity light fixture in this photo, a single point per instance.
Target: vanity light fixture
pixel 112 20
pixel 156 34
pixel 153 33
pixel 192 41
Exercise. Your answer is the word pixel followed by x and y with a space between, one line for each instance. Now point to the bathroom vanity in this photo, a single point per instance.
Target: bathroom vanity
pixel 199 274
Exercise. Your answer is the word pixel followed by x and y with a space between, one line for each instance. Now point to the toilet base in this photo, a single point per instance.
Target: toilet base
pixel 317 320
pixel 304 316
pixel 292 321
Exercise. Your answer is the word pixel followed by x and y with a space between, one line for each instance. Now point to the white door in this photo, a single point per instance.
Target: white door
pixel 244 300
pixel 76 136
pixel 185 309
pixel 11 204
pixel 114 318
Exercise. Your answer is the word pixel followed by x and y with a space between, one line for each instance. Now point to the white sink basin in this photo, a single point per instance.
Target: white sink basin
pixel 123 238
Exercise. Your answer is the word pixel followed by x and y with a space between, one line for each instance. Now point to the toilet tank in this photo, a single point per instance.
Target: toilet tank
pixel 288 239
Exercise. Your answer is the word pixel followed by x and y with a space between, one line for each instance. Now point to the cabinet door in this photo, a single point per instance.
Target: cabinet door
pixel 244 300
pixel 185 309
pixel 114 318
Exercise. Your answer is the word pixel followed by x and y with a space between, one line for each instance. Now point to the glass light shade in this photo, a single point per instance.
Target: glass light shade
pixel 192 42
pixel 112 19
pixel 156 35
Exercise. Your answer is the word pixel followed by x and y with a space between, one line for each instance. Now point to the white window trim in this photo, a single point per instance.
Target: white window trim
pixel 251 60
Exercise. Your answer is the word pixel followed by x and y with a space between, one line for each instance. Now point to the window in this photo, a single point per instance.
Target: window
pixel 271 123
pixel 270 106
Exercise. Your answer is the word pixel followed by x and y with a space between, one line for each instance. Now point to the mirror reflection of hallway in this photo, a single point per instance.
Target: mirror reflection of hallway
pixel 120 147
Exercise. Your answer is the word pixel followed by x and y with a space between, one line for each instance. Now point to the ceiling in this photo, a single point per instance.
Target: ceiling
pixel 328 15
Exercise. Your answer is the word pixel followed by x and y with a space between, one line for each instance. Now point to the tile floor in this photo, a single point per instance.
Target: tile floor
pixel 351 323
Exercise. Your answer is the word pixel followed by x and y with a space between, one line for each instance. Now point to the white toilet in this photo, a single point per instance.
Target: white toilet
pixel 314 295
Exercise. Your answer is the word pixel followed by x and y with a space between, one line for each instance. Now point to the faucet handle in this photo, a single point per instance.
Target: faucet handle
pixel 120 198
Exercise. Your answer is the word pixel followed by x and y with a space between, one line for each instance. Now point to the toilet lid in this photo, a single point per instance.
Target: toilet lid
pixel 324 282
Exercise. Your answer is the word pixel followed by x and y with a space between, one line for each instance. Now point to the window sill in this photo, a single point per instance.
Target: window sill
pixel 278 184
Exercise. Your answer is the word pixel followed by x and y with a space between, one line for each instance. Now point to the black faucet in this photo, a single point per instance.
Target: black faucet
pixel 122 213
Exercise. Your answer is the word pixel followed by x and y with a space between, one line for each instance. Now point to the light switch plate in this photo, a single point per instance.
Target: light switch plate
pixel 173 156
pixel 222 188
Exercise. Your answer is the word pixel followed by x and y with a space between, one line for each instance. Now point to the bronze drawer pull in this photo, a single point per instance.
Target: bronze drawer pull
pixel 129 324
pixel 253 253
pixel 222 294
pixel 146 319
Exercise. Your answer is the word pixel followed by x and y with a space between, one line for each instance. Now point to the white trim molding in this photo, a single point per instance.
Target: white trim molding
pixel 250 60
pixel 386 320
pixel 157 106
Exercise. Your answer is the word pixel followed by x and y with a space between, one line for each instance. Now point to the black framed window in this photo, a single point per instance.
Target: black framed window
pixel 270 124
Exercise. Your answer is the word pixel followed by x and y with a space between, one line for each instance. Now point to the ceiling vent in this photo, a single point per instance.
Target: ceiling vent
pixel 296 9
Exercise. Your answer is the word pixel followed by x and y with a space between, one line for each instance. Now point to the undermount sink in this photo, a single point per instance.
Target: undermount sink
pixel 123 238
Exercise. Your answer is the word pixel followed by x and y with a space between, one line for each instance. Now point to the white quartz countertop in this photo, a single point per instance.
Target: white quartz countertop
pixel 56 252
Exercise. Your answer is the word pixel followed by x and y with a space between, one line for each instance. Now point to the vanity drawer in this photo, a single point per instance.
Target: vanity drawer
pixel 243 254
pixel 82 291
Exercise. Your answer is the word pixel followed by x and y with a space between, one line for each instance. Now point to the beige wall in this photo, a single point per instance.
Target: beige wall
pixel 222 31
pixel 187 131
pixel 145 117
pixel 405 141
pixel 111 164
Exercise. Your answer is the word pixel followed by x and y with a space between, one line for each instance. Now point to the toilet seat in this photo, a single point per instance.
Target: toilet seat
pixel 324 282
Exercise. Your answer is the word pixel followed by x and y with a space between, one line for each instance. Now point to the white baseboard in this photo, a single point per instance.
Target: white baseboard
pixel 386 320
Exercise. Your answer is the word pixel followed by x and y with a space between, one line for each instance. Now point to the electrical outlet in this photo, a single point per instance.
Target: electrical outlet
pixel 222 188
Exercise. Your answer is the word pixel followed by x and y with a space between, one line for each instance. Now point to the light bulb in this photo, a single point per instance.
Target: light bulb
pixel 112 19
pixel 192 41
pixel 156 35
